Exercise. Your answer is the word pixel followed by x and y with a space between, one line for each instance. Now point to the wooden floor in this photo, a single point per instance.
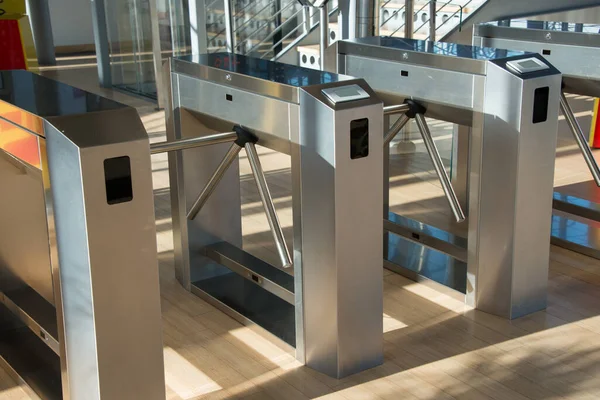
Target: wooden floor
pixel 435 347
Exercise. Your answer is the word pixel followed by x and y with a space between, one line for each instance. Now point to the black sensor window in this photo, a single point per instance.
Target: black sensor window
pixel 359 138
pixel 117 178
pixel 541 97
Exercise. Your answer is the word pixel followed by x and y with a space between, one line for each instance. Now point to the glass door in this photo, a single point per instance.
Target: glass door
pixel 129 34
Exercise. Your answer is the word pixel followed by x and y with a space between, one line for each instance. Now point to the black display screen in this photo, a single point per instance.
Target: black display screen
pixel 117 177
pixel 359 138
pixel 541 97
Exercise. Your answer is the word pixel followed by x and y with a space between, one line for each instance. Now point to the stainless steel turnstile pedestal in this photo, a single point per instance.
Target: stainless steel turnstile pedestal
pixel 502 266
pixel 328 307
pixel 78 262
pixel 576 55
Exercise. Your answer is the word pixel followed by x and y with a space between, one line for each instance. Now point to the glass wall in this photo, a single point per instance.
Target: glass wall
pixel 142 34
pixel 130 44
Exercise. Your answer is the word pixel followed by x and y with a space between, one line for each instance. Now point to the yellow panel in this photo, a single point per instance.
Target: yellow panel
pixel 8 7
pixel 28 45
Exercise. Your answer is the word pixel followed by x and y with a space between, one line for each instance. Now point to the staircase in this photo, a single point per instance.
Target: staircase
pixel 285 30
pixel 261 28
pixel 493 10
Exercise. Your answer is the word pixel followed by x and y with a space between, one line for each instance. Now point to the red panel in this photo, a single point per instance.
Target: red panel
pixel 11 47
pixel 596 126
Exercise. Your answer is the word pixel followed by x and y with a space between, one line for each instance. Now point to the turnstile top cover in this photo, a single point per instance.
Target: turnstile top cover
pixel 46 98
pixel 458 57
pixel 255 74
pixel 264 69
pixel 542 31
pixel 33 102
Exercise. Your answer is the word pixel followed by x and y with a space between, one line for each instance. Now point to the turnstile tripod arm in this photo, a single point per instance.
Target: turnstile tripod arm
pixel 397 127
pixel 396 109
pixel 246 140
pixel 214 180
pixel 267 200
pixel 439 168
pixel 189 143
pixel 584 147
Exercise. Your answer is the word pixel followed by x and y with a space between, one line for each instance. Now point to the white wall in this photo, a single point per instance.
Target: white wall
pixel 71 22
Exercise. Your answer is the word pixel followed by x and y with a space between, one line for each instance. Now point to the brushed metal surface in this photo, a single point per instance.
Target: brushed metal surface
pixel 342 235
pixel 446 94
pixel 267 117
pixel 108 261
pixel 337 279
pixel 447 56
pixel 557 36
pixel 95 262
pixel 581 77
pixel 24 249
pixel 262 77
pixel 505 170
pixel 511 201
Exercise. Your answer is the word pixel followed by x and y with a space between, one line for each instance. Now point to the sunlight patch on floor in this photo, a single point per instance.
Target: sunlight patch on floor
pixel 392 324
pixel 184 378
pixel 437 297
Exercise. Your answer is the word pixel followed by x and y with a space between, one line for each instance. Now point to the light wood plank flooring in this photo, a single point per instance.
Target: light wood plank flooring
pixel 435 347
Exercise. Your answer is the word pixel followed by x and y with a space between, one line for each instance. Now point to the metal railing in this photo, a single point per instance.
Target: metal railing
pixel 262 28
pixel 434 8
pixel 308 27
pixel 271 28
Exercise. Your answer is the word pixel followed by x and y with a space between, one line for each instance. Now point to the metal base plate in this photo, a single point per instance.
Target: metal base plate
pixel 576 218
pixel 576 234
pixel 254 303
pixel 422 261
pixel 27 359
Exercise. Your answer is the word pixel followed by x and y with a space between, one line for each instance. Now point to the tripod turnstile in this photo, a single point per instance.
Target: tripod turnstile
pixel 78 257
pixel 502 266
pixel 325 299
pixel 574 49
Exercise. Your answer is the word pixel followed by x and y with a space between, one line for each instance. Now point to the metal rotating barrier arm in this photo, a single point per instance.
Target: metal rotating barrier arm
pixel 411 109
pixel 399 124
pixel 267 200
pixel 585 149
pixel 242 139
pixel 459 215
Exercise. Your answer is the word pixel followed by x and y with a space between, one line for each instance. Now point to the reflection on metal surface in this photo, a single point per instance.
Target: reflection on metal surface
pixel 511 154
pixel 563 32
pixel 335 328
pixel 427 262
pixel 576 205
pixel 427 235
pixel 74 262
pixel 262 69
pixel 274 280
pixel 460 58
pixel 27 360
pixel 561 43
pixel 581 236
pixel 39 96
pixel 38 315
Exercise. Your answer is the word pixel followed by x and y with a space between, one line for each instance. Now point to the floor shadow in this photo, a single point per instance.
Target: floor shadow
pixel 434 353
